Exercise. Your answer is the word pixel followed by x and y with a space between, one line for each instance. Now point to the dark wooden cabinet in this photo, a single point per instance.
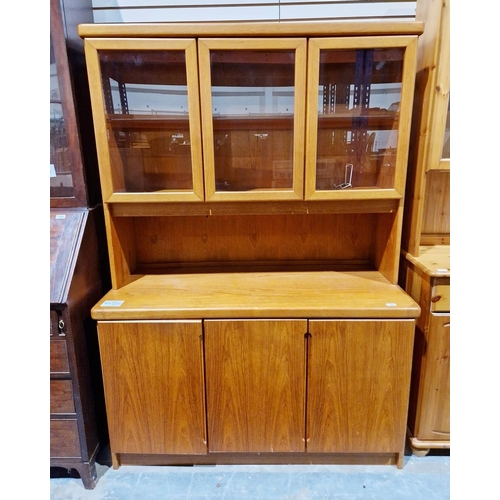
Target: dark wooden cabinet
pixel 74 176
pixel 79 270
pixel 77 415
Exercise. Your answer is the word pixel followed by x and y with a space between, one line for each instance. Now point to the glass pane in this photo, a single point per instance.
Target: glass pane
pixel 61 179
pixel 253 107
pixel 146 100
pixel 358 108
pixel 446 139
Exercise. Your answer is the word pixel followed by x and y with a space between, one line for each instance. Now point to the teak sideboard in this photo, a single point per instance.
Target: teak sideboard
pixel 253 180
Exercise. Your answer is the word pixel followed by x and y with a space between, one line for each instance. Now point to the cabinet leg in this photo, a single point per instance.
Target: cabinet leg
pixel 88 473
pixel 420 448
pixel 115 461
pixel 419 452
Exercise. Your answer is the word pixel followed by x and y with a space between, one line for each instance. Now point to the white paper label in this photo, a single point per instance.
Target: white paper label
pixel 112 303
pixel 52 170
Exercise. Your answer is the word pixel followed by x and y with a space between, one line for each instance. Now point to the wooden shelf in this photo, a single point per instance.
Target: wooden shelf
pixel 145 121
pixel 375 119
pixel 135 205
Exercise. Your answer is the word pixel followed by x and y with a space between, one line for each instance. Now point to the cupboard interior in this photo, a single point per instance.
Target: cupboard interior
pixel 155 155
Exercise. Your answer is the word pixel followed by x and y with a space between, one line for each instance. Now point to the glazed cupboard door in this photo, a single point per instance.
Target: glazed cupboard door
pixel 145 102
pixel 360 93
pixel 255 375
pixel 253 114
pixel 358 385
pixel 153 385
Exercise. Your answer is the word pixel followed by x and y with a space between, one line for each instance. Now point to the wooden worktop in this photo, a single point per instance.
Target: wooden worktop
pixel 434 260
pixel 317 294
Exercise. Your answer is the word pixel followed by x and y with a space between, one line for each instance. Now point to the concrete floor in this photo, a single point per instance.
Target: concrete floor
pixel 421 478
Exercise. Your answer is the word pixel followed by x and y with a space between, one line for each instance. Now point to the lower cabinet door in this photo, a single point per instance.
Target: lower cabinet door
pixel 434 397
pixel 153 385
pixel 255 375
pixel 358 385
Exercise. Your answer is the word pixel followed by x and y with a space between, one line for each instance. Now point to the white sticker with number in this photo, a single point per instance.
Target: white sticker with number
pixel 112 303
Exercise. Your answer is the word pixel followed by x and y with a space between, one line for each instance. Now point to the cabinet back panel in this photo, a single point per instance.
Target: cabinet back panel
pixel 436 217
pixel 257 238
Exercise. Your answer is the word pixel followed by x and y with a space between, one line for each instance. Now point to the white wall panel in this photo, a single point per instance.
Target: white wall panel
pixel 132 11
pixel 196 13
pixel 118 4
pixel 293 10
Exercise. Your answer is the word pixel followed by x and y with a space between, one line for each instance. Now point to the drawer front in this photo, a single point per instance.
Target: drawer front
pixel 59 362
pixel 64 439
pixel 61 396
pixel 440 299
